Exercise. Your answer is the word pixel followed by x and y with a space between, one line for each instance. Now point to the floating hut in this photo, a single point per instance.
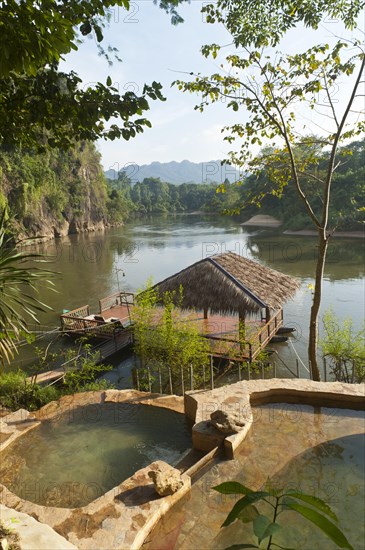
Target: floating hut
pixel 228 286
pixel 236 303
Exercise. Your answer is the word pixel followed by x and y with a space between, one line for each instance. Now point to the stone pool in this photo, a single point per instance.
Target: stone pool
pixel 317 446
pixel 315 450
pixel 80 454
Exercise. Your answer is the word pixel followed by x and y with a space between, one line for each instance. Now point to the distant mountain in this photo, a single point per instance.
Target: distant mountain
pixel 178 172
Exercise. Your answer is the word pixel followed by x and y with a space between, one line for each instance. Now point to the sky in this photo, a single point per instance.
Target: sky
pixel 153 49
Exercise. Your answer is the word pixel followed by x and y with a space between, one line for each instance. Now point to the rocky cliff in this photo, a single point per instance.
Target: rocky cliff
pixel 56 193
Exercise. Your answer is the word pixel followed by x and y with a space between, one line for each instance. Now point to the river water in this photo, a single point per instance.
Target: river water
pixel 159 246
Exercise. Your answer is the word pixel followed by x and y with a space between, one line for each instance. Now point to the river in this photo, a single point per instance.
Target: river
pixel 158 246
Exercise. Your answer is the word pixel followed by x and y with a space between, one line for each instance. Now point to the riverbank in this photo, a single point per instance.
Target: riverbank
pixel 266 221
pixel 338 234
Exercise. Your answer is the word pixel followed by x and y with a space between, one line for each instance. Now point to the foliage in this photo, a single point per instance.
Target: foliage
pixel 69 186
pixel 41 106
pixel 265 528
pixel 58 187
pixel 165 338
pixel 154 196
pixel 9 538
pixel 260 23
pixel 344 348
pixel 273 89
pixel 19 302
pixel 348 191
pixel 81 374
pixel 120 204
pixel 16 392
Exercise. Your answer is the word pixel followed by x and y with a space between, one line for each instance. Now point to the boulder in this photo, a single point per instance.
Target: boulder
pixel 18 417
pixel 227 422
pixel 167 480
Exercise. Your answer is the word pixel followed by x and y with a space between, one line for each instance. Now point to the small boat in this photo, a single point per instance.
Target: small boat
pixel 285 330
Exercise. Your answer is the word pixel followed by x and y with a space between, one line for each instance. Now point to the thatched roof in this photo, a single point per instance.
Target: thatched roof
pixel 228 283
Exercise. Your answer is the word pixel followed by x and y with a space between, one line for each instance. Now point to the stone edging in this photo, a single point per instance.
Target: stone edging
pixel 123 517
pixel 239 397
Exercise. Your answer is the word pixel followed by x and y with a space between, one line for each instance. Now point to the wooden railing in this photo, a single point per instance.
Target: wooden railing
pixel 116 299
pixel 74 318
pixel 82 311
pixel 92 326
pixel 249 350
pixel 264 336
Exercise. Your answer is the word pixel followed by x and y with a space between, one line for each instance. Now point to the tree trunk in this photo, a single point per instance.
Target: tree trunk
pixel 317 295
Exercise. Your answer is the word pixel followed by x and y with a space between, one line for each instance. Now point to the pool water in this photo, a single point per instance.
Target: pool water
pixel 70 461
pixel 319 451
pixel 333 471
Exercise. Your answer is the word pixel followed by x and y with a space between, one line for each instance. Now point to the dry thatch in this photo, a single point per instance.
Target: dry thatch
pixel 228 283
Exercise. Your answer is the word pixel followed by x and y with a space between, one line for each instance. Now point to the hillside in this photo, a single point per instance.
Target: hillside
pixel 177 172
pixel 56 193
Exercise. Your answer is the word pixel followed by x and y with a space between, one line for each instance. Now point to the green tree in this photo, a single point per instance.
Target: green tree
pixel 40 105
pixel 19 291
pixel 272 89
pixel 44 191
pixel 163 337
pixel 344 348
pixel 348 192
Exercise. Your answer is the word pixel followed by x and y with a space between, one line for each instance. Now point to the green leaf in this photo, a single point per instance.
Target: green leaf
pixel 329 528
pixel 263 527
pixel 260 525
pixel 248 514
pixel 315 502
pixel 232 488
pixel 108 81
pixel 243 503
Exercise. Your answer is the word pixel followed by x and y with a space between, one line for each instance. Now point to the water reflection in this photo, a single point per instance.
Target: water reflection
pixel 159 246
pixel 297 255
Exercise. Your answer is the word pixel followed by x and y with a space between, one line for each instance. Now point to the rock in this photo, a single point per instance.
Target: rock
pixel 167 480
pixel 31 534
pixel 18 417
pixel 227 422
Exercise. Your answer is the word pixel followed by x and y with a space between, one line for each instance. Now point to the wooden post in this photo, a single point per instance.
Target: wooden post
pixel 205 313
pixel 248 370
pixel 137 379
pixel 160 379
pixel 211 373
pixel 182 380
pixel 170 381
pixel 268 314
pixel 242 333
pixel 325 369
pixel 149 379
pixel 242 327
pixel 239 372
pixel 250 351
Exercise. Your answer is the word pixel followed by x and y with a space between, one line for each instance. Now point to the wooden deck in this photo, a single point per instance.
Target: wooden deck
pixel 223 333
pixel 115 319
pixel 102 351
pixel 114 316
